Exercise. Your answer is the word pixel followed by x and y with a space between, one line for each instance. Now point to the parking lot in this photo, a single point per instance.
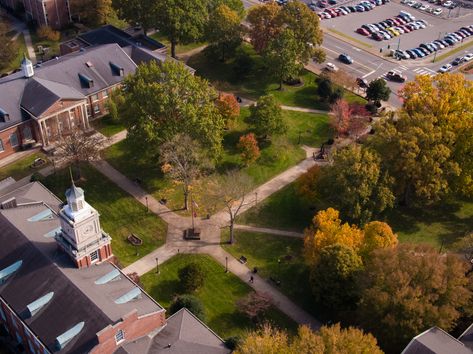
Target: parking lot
pixel 436 27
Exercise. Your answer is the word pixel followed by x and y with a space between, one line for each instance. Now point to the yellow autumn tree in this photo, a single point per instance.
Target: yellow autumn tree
pixel 378 235
pixel 328 230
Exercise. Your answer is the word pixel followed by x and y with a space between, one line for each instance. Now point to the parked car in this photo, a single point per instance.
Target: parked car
pixel 437 11
pixel 468 57
pixel 362 31
pixel 394 76
pixel 447 3
pixel 362 83
pixel 458 61
pixel 345 58
pixel 424 7
pixel 331 67
pixel 445 68
pixel 411 53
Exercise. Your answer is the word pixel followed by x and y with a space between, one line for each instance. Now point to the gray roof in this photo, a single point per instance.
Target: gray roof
pixel 74 191
pixel 467 337
pixel 435 341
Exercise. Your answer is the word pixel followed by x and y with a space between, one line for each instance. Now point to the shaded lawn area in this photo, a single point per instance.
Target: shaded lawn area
pixel 222 75
pixel 263 252
pixel 108 126
pixel 22 168
pixel 277 156
pixel 219 295
pixel 180 48
pixel 15 63
pixel 444 223
pixel 120 213
pixel 46 43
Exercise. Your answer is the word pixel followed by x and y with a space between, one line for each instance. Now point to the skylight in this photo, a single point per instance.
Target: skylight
pixel 111 276
pixel 38 304
pixel 42 216
pixel 53 233
pixel 69 335
pixel 133 294
pixel 8 271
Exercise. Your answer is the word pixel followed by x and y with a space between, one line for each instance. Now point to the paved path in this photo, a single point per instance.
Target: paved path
pixel 29 45
pixel 266 230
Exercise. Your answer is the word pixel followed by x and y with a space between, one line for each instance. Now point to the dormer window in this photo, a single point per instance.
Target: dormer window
pixel 4 116
pixel 117 70
pixel 86 81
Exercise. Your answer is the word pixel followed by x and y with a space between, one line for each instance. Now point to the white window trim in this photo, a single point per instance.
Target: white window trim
pixel 17 142
pixel 118 341
pixel 96 99
pixel 96 111
pixel 97 258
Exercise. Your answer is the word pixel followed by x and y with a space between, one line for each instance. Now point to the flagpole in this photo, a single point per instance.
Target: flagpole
pixel 192 211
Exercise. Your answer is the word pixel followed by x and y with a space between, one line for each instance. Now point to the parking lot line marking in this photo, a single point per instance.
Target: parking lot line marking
pixel 366 75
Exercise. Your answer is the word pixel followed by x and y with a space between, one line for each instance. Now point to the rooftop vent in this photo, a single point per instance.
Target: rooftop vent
pixel 4 116
pixel 37 305
pixel 111 276
pixel 117 70
pixel 69 335
pixel 9 203
pixel 42 216
pixel 89 64
pixel 133 294
pixel 8 271
pixel 86 81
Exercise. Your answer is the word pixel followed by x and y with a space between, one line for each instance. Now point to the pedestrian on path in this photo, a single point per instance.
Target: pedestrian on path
pixel 252 279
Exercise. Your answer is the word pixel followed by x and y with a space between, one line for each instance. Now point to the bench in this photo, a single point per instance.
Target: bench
pixel 243 260
pixel 134 240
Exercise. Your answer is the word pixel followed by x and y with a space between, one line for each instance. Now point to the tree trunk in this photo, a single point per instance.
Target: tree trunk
pixel 173 48
pixel 223 53
pixel 280 85
pixel 232 222
pixel 186 198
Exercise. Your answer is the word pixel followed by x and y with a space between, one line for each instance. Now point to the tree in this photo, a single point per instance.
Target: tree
pixel 9 48
pixel 249 148
pixel 328 340
pixel 191 277
pixel 327 230
pixel 231 190
pixel 94 12
pixel 254 305
pixel 142 12
pixel 190 302
pixel 162 100
pixel 264 25
pixel 224 30
pixel 355 184
pixel 229 108
pixel 377 235
pixel 328 92
pixel 234 5
pixel 46 32
pixel 465 246
pixel 408 289
pixel 115 100
pixel 183 160
pixel 340 116
pixel 333 279
pixel 182 21
pixel 378 91
pixel 281 57
pixel 266 116
pixel 79 146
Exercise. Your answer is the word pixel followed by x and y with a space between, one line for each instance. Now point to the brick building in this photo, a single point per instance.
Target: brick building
pixel 54 13
pixel 39 104
pixel 59 294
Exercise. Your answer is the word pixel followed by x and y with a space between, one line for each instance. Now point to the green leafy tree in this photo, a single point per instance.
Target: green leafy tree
pixel 224 30
pixel 9 48
pixel 408 289
pixel 264 25
pixel 355 184
pixel 235 5
pixel 266 117
pixel 378 91
pixel 281 57
pixel 333 278
pixel 162 100
pixel 327 91
pixel 142 12
pixel 191 277
pixel 190 302
pixel 181 21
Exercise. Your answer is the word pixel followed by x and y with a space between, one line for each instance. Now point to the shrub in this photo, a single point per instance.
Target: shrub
pixel 249 148
pixel 190 302
pixel 46 32
pixel 192 277
pixel 232 342
pixel 254 305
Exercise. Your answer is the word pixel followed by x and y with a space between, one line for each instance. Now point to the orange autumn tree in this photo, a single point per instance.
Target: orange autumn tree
pixel 248 145
pixel 228 107
pixel 378 235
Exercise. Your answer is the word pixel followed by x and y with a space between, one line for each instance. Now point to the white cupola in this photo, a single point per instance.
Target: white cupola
pixel 27 67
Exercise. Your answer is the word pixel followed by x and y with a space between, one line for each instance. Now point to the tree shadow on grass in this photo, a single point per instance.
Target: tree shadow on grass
pixel 230 323
pixel 166 290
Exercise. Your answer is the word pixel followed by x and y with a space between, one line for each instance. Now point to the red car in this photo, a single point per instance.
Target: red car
pixel 362 31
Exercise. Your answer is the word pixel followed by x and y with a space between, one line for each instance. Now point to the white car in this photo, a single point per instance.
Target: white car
pixel 447 3
pixel 331 67
pixel 437 11
pixel 445 68
pixel 468 57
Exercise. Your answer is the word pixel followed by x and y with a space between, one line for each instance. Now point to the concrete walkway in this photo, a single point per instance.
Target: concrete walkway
pixel 29 45
pixel 265 230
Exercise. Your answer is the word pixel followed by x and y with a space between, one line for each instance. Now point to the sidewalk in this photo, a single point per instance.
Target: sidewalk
pixel 265 230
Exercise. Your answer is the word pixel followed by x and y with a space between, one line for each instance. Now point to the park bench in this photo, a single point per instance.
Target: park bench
pixel 243 260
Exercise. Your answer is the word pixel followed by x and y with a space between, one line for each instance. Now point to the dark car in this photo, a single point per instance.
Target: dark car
pixel 393 76
pixel 458 61
pixel 344 58
pixel 362 82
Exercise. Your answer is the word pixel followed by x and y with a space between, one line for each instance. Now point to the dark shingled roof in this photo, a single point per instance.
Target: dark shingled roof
pixel 435 341
pixel 467 337
pixel 38 276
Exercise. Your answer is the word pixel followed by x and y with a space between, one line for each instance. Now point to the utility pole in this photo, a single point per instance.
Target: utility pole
pixel 435 54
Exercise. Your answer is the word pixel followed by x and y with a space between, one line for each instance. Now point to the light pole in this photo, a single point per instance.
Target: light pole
pixel 435 54
pixel 157 265
pixel 279 268
pixel 256 198
pixel 226 264
pixel 147 208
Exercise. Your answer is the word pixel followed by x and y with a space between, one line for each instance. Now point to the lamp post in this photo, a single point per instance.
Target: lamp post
pixel 279 267
pixel 157 265
pixel 147 208
pixel 256 198
pixel 226 264
pixel 435 54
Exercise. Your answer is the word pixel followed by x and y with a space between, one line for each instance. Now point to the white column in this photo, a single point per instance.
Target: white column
pixel 41 132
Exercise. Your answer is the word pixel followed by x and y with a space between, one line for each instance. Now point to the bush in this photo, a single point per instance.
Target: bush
pixel 190 302
pixel 232 342
pixel 191 277
pixel 46 32
pixel 371 107
pixel 36 177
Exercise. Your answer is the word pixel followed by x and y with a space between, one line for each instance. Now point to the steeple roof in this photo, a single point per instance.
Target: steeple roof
pixel 74 192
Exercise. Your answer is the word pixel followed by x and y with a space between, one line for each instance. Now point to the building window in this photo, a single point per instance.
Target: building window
pixel 1 146
pixel 96 108
pixel 105 93
pixel 89 112
pixel 14 140
pixel 95 97
pixel 27 133
pixel 120 336
pixel 94 256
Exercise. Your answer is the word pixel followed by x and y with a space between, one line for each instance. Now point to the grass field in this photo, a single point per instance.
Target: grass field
pixel 276 157
pixel 15 63
pixel 219 295
pixel 256 83
pixel 180 49
pixel 263 251
pixel 107 126
pixel 120 213
pixel 22 168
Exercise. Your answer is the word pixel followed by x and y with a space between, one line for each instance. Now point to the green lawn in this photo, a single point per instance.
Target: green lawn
pixel 107 126
pixel 223 76
pixel 15 63
pixel 120 213
pixel 219 295
pixel 22 168
pixel 263 251
pixel 180 49
pixel 275 158
pixel 46 43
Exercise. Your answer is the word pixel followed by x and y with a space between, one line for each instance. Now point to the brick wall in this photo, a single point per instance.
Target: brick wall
pixel 19 130
pixel 133 327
